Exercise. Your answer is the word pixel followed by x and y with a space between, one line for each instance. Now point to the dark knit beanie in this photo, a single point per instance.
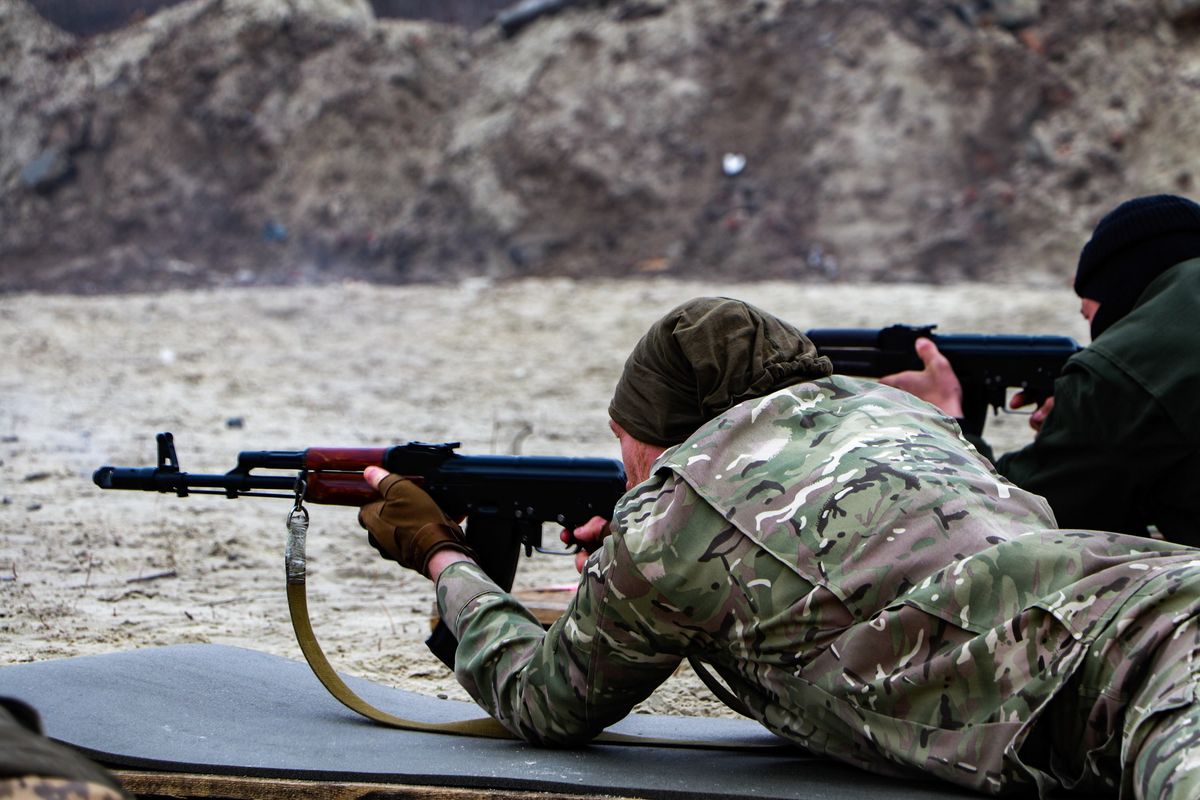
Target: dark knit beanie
pixel 1131 246
pixel 702 359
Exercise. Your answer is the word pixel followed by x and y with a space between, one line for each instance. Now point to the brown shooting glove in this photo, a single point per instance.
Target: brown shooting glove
pixel 407 527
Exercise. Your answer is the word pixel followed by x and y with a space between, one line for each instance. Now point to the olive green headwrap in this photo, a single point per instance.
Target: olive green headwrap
pixel 701 360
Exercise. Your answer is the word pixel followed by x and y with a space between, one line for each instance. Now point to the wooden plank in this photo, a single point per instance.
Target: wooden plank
pixel 179 785
pixel 546 605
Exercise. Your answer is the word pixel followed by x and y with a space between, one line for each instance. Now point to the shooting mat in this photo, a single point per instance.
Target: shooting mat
pixel 231 711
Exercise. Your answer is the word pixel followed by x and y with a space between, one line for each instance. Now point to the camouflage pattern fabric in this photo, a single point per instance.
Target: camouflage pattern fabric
pixel 38 788
pixel 33 766
pixel 869 588
pixel 1129 717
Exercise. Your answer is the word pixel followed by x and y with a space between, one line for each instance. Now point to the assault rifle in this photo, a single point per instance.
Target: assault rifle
pixel 987 365
pixel 504 499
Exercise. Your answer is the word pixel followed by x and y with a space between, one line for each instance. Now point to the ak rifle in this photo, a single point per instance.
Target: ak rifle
pixel 987 365
pixel 504 500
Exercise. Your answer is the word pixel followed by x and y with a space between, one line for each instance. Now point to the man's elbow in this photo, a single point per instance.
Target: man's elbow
pixel 554 736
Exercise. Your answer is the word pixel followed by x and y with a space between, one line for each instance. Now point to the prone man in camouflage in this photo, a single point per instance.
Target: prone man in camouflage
pixel 863 581
pixel 34 767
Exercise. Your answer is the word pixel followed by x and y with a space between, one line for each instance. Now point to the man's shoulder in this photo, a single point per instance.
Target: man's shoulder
pixel 1152 350
pixel 1162 320
pixel 808 437
pixel 810 413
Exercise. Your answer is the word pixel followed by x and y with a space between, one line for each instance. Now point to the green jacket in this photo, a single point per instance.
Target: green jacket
pixel 862 580
pixel 1121 449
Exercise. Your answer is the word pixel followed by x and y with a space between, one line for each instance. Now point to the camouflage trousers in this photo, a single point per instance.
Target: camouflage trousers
pixel 1128 722
pixel 1164 740
pixel 1168 764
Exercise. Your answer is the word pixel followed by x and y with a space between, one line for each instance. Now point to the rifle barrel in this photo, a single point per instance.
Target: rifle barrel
pixel 154 479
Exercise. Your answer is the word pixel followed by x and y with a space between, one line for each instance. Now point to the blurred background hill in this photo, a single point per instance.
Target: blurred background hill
pixel 147 145
pixel 101 16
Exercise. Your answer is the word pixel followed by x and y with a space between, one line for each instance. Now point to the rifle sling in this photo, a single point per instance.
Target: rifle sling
pixel 483 727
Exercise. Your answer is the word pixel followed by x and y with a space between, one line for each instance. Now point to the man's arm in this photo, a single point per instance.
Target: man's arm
pixel 614 645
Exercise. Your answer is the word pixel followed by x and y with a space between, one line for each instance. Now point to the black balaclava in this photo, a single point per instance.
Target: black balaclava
pixel 1132 245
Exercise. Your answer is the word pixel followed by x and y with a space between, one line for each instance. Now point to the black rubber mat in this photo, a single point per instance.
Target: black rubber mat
pixel 231 711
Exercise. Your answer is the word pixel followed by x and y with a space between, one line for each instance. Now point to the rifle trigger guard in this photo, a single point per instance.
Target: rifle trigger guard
pixel 570 551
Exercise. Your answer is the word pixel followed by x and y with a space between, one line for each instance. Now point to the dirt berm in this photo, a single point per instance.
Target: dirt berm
pixel 225 142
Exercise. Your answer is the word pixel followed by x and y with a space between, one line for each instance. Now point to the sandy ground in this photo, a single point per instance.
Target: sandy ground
pixel 89 381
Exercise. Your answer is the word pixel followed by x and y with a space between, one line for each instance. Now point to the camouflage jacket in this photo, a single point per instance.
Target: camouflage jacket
pixel 858 575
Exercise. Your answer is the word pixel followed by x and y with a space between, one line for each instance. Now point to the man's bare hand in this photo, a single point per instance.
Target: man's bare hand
pixel 589 536
pixel 1038 417
pixel 936 383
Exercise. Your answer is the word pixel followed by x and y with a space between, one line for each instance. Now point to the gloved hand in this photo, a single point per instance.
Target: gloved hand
pixel 407 527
